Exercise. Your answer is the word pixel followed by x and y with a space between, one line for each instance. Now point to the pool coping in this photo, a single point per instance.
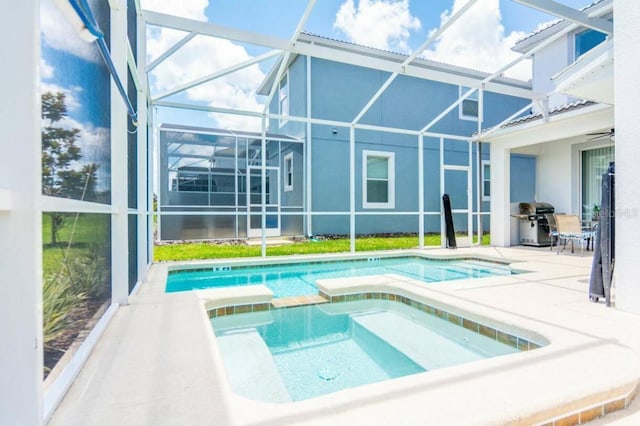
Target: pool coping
pixel 216 309
pixel 208 264
pixel 565 382
pixel 412 293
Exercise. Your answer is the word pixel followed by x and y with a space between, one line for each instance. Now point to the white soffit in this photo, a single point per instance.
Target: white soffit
pixel 569 124
pixel 591 76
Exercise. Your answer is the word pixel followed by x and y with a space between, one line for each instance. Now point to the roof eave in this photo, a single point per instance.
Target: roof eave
pixel 597 9
pixel 584 120
pixel 267 83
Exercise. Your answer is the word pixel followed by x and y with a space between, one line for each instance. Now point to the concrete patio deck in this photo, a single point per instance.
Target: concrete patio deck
pixel 158 362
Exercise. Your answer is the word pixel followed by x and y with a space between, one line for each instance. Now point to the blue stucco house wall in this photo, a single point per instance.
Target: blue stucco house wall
pixel 338 92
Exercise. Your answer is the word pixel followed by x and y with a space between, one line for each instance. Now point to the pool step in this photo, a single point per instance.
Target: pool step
pixel 428 349
pixel 286 302
pixel 250 366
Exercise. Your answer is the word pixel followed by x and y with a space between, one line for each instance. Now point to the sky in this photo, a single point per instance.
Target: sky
pixel 482 39
pixel 75 67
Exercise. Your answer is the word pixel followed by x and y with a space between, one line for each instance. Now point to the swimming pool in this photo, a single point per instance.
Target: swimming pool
pixel 298 279
pixel 293 354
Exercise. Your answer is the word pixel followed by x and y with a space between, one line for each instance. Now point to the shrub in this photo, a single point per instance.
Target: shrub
pixel 58 302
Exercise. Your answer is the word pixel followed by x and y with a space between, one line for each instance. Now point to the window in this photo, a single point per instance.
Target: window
pixel 587 40
pixel 378 181
pixel 468 109
pixel 486 180
pixel 283 98
pixel 288 172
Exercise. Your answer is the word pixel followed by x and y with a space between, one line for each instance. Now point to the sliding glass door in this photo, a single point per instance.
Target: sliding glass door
pixel 594 163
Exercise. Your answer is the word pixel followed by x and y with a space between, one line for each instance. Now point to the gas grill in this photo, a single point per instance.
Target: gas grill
pixel 535 219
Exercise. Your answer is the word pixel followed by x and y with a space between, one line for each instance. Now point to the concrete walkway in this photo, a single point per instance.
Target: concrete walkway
pixel 158 362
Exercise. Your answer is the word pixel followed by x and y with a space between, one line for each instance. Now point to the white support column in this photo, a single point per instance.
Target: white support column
pixel 155 164
pixel 236 187
pixel 470 193
pixel 142 151
pixel 627 92
pixel 352 188
pixel 308 154
pixel 421 191
pixel 443 243
pixel 119 184
pixel 479 186
pixel 21 356
pixel 500 196
pixel 263 185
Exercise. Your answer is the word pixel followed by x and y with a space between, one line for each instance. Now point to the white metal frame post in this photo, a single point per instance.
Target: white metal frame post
pixel 421 191
pixel 119 154
pixel 308 154
pixel 142 150
pixel 21 359
pixel 479 171
pixel 442 225
pixel 263 190
pixel 470 194
pixel 352 189
pixel 155 163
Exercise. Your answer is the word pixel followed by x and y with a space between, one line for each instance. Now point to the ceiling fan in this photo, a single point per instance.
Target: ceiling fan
pixel 600 135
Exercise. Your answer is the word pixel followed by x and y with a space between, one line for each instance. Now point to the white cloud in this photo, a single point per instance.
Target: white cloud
pixel 192 9
pixel 71 94
pixel 385 24
pixel 477 40
pixel 200 57
pixel 46 70
pixel 60 35
pixel 95 148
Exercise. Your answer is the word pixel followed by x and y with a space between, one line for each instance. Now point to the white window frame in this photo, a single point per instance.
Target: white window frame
pixel 473 97
pixel 283 94
pixel 484 178
pixel 288 170
pixel 391 180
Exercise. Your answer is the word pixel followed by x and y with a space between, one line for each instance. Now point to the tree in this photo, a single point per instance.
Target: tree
pixel 59 154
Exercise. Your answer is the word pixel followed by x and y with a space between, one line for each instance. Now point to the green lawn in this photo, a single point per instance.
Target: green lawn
pixel 192 251
pixel 88 228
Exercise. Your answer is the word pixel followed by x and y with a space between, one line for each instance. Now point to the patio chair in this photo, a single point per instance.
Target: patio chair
pixel 553 229
pixel 569 229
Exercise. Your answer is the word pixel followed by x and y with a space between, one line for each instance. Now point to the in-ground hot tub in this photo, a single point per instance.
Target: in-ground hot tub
pixel 293 354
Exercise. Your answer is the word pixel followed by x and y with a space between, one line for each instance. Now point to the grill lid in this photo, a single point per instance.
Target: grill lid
pixel 536 208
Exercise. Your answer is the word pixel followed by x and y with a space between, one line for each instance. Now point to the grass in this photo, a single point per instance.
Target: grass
pixel 75 272
pixel 200 250
pixel 89 228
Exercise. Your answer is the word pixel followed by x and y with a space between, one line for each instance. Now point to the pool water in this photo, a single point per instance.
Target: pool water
pixel 298 279
pixel 299 353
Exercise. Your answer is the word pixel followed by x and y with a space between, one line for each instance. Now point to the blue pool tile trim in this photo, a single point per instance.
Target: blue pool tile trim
pixel 476 327
pixel 572 417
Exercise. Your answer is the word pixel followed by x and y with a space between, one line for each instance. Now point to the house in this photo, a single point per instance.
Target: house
pixel 570 132
pixel 309 165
